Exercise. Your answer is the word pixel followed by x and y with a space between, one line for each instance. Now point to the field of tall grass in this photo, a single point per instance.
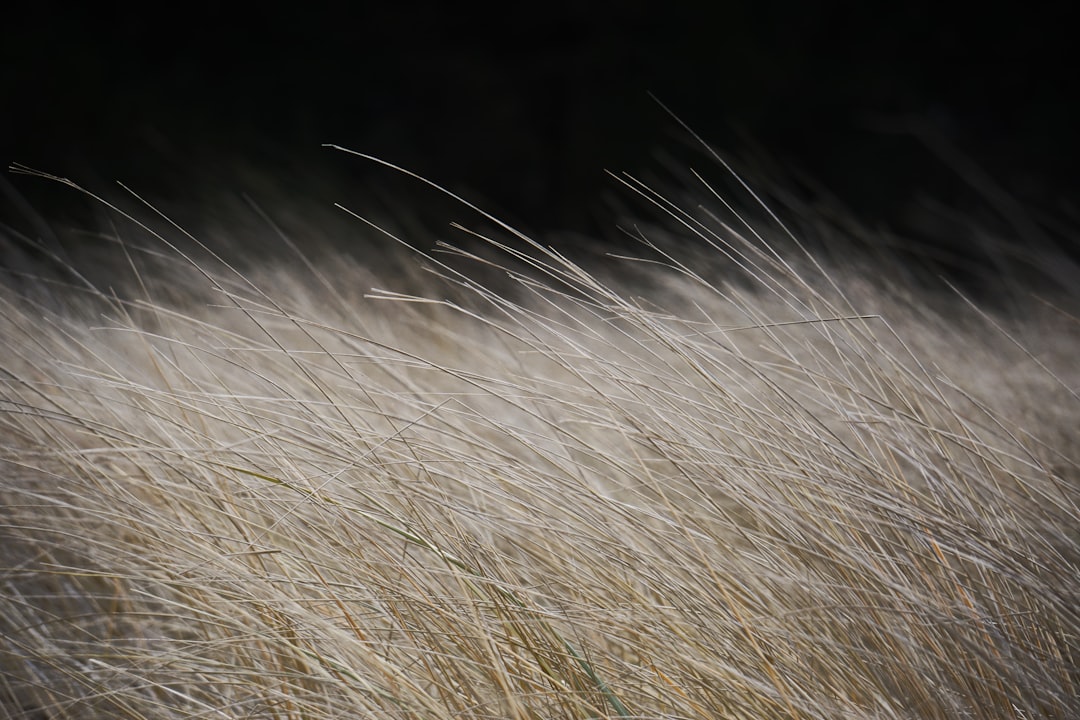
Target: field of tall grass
pixel 730 477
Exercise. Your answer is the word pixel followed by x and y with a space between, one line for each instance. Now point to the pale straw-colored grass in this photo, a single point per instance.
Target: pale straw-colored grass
pixel 679 489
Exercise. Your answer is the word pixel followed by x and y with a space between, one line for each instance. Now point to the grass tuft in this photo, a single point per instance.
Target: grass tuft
pixel 728 477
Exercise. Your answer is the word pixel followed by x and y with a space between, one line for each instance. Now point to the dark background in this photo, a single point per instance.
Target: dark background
pixel 883 104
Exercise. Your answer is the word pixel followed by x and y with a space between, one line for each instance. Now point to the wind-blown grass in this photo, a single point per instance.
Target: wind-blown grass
pixel 730 482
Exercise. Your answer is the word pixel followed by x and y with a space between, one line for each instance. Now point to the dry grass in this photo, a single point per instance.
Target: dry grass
pixel 267 494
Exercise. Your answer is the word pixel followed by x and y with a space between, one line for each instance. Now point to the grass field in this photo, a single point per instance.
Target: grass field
pixel 732 479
